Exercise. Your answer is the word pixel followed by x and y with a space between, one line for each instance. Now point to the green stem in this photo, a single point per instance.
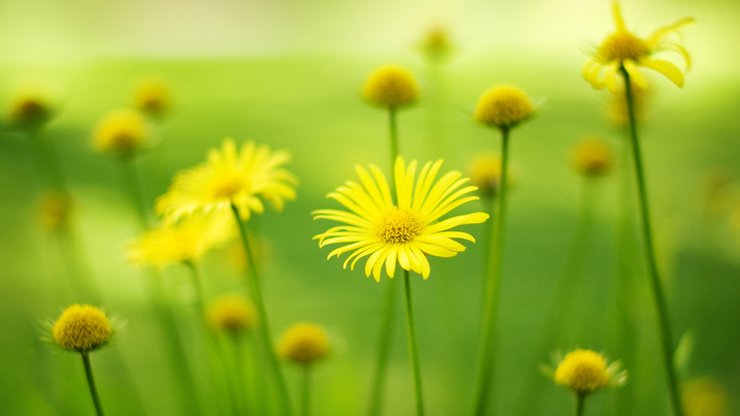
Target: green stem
pixel 489 205
pixel 199 292
pixel 91 383
pixel 135 192
pixel 580 400
pixel 486 361
pixel 393 135
pixel 306 390
pixel 655 283
pixel 413 347
pixel 256 292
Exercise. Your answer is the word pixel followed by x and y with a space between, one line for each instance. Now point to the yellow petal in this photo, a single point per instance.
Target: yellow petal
pixel 617 15
pixel 666 68
pixel 662 31
pixel 635 75
pixel 670 46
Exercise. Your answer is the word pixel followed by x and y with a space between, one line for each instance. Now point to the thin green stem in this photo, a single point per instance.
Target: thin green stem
pixel 486 360
pixel 136 194
pixel 199 292
pixel 413 347
pixel 306 389
pixel 647 233
pixel 256 292
pixel 393 134
pixel 91 383
pixel 580 400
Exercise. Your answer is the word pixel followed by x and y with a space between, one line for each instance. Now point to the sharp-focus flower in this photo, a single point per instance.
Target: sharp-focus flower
pixel 82 328
pixel 392 87
pixel 304 343
pixel 401 231
pixel 230 176
pixel 503 107
pixel 625 49
pixel 152 96
pixel 233 314
pixel 592 157
pixel 586 371
pixel 122 133
pixel 186 240
pixel 30 110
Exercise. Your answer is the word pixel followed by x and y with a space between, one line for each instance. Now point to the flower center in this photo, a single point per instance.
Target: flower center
pixel 623 45
pixel 226 185
pixel 399 227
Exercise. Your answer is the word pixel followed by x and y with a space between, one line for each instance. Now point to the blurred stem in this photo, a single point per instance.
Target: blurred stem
pixel 413 347
pixel 133 186
pixel 647 233
pixel 306 389
pixel 580 400
pixel 489 206
pixel 486 359
pixel 243 393
pixel 393 135
pixel 256 292
pixel 91 383
pixel 199 292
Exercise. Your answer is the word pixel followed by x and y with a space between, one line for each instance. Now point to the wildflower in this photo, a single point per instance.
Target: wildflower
pixel 403 231
pixel 392 87
pixel 436 44
pixel 623 50
pixel 122 133
pixel 592 157
pixel 30 110
pixel 55 210
pixel 82 328
pixel 485 173
pixel 705 397
pixel 586 371
pixel 230 177
pixel 503 107
pixel 304 343
pixel 152 96
pixel 617 110
pixel 232 314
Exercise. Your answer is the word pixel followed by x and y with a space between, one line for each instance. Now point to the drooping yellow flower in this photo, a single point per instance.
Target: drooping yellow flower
pixel 186 240
pixel 705 397
pixel 503 107
pixel 401 231
pixel 392 87
pixel 304 343
pixel 152 96
pixel 585 371
pixel 233 314
pixel 30 110
pixel 592 157
pixel 625 49
pixel 230 176
pixel 82 328
pixel 122 133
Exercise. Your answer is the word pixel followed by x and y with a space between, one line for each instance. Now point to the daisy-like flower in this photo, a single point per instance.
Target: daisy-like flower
pixel 625 49
pixel 401 231
pixel 231 176
pixel 586 371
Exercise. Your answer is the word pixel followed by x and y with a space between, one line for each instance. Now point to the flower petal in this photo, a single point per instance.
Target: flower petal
pixel 666 68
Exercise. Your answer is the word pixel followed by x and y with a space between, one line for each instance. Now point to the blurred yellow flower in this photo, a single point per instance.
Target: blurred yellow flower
pixel 592 157
pixel 392 87
pixel 232 314
pixel 485 173
pixel 403 231
pixel 436 44
pixel 82 328
pixel 304 343
pixel 30 109
pixel 152 96
pixel 705 397
pixel 241 178
pixel 585 371
pixel 503 107
pixel 186 240
pixel 122 133
pixel 625 49
pixel 617 110
pixel 55 210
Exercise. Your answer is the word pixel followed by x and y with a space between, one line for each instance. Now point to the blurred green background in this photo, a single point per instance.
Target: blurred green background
pixel 288 73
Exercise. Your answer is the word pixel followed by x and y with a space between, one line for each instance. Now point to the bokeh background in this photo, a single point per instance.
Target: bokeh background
pixel 288 73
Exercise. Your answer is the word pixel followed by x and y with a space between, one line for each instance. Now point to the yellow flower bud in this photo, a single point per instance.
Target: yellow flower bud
pixel 304 343
pixel 392 87
pixel 592 157
pixel 122 133
pixel 232 314
pixel 82 328
pixel 503 107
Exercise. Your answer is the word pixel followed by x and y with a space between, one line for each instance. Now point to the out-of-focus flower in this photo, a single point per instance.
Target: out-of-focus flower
pixel 391 87
pixel 705 397
pixel 55 210
pixel 592 157
pixel 304 343
pixel 436 44
pixel 503 107
pixel 152 96
pixel 232 314
pixel 30 110
pixel 586 371
pixel 122 133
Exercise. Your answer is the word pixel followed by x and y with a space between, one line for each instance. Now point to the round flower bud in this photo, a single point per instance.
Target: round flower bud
pixel 485 173
pixel 82 328
pixel 232 314
pixel 592 157
pixel 30 111
pixel 392 87
pixel 585 371
pixel 436 44
pixel 705 397
pixel 122 133
pixel 152 97
pixel 304 343
pixel 503 107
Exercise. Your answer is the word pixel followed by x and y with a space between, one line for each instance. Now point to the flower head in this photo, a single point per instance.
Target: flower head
pixel 392 87
pixel 82 328
pixel 304 343
pixel 705 397
pixel 30 110
pixel 186 240
pixel 503 107
pixel 55 210
pixel 233 314
pixel 152 96
pixel 239 177
pixel 122 133
pixel 401 231
pixel 436 43
pixel 586 371
pixel 592 157
pixel 485 173
pixel 624 49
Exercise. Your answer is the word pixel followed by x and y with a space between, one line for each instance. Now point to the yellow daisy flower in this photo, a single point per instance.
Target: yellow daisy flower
pixel 239 177
pixel 403 231
pixel 625 49
pixel 585 371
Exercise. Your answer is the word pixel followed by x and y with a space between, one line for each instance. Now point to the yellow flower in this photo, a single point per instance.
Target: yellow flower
pixel 592 157
pixel 304 343
pixel 55 210
pixel 392 87
pixel 485 173
pixel 585 371
pixel 122 133
pixel 403 231
pixel 503 107
pixel 625 49
pixel 705 397
pixel 186 240
pixel 30 110
pixel 436 43
pixel 232 314
pixel 82 328
pixel 230 176
pixel 617 110
pixel 152 96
